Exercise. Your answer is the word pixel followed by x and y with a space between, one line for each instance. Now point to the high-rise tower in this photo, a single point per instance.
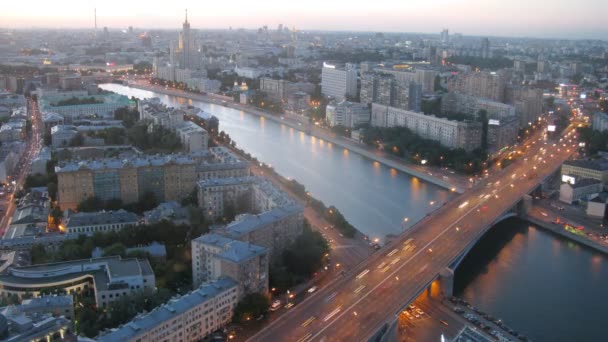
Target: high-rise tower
pixel 186 44
pixel 95 16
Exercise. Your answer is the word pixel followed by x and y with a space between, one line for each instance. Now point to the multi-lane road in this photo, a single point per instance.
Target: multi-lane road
pixel 354 307
pixel 33 145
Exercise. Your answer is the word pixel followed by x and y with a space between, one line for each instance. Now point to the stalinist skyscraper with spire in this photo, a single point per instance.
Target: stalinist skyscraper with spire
pixel 185 59
pixel 186 46
pixel 185 55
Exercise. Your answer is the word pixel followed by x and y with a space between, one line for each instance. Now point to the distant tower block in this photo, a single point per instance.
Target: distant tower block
pixel 95 19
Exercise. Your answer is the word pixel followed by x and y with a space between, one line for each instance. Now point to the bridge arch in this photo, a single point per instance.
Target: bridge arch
pixel 454 265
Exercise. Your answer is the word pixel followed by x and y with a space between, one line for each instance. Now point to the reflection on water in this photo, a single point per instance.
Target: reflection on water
pixel 374 199
pixel 544 286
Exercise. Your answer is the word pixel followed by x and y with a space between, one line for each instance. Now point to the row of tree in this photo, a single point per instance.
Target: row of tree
pixel 402 142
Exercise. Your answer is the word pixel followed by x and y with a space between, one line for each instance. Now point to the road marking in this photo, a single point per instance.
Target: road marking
pixel 396 270
pixel 332 314
pixel 359 289
pixel 305 338
pixel 308 321
pixel 362 274
pixel 331 296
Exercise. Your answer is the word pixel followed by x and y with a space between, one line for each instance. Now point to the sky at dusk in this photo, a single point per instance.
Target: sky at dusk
pixel 534 18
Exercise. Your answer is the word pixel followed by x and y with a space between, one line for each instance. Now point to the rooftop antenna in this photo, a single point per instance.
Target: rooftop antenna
pixel 186 15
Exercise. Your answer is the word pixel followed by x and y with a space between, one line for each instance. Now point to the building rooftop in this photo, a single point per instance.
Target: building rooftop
pixel 100 217
pixel 247 223
pixel 167 211
pixel 232 250
pixel 63 128
pixel 144 323
pixel 116 163
pixel 40 303
pixel 597 165
pixel 107 271
pixel 227 181
pixel 583 182
pixel 155 249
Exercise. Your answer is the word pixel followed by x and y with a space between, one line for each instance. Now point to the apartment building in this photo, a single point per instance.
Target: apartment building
pixel 192 136
pixel 488 85
pixel 346 114
pixel 339 82
pixel 188 318
pixel 168 178
pixel 215 256
pixel 215 195
pixel 455 102
pixel 275 229
pixel 449 133
pixel 387 89
pixel 243 194
pixel 104 106
pixel 599 121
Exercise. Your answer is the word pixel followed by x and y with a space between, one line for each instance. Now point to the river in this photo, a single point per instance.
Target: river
pixel 546 287
pixel 372 197
pixel 542 285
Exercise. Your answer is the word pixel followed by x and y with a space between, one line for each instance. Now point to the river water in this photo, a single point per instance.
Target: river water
pixel 546 287
pixel 373 197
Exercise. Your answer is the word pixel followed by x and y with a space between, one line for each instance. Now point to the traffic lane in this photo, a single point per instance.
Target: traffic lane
pixel 448 218
pixel 521 168
pixel 367 304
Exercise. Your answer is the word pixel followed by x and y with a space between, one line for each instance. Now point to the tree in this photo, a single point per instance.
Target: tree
pixel 604 105
pixel 432 106
pixel 250 307
pixel 77 140
pixel 482 116
pixel 437 84
pixel 305 255
pixel 128 116
pixel 550 102
pixel 280 278
pixel 113 204
pixel 56 214
pixel 38 254
pixel 52 190
pixel 148 201
pixel 115 249
pixel 191 199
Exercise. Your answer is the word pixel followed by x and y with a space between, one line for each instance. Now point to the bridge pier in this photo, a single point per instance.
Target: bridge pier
pixel 524 206
pixel 446 282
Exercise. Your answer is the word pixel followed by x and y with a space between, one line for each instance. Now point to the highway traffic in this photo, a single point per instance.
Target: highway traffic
pixel 355 307
pixel 34 143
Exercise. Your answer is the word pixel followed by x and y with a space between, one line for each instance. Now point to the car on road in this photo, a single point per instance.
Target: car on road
pixel 312 289
pixel 275 305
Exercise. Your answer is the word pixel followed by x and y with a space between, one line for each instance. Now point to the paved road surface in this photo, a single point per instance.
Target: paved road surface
pixel 353 308
pixel 33 146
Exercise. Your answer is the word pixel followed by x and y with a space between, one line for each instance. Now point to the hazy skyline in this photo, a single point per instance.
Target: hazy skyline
pixel 531 18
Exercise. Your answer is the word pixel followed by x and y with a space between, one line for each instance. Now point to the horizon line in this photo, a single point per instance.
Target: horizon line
pixel 299 30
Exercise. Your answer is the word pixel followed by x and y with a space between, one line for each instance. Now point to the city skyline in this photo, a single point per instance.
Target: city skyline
pixel 470 17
